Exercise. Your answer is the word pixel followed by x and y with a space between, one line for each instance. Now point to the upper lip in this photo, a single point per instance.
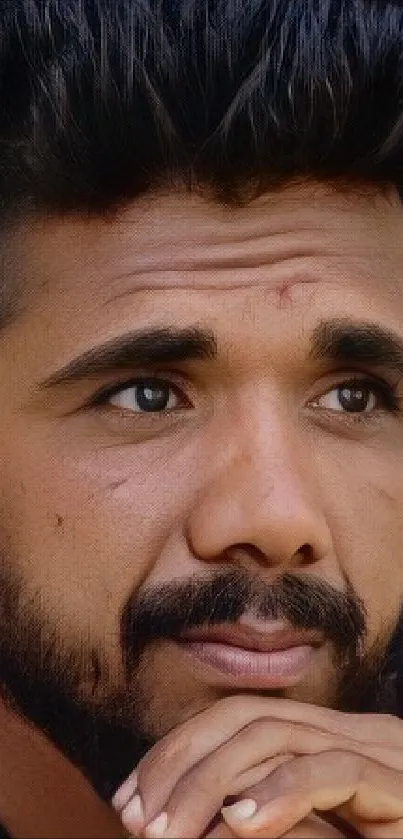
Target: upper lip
pixel 249 639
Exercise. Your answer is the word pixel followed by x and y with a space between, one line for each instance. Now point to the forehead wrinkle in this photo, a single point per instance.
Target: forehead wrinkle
pixel 301 275
pixel 125 246
pixel 217 258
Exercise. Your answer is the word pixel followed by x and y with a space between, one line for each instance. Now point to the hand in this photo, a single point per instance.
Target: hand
pixel 290 758
pixel 313 827
pixel 42 795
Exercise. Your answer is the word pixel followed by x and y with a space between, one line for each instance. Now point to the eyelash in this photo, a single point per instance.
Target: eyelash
pixel 101 397
pixel 382 389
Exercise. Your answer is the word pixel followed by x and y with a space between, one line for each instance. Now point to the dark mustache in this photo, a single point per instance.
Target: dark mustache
pixel 305 602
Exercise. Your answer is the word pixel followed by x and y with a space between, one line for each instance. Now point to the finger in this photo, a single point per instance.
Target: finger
pixel 365 794
pixel 132 816
pixel 312 827
pixel 184 821
pixel 228 770
pixel 220 831
pixel 175 754
pixel 125 792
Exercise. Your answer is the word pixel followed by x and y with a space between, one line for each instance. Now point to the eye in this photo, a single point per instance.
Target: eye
pixel 358 396
pixel 147 396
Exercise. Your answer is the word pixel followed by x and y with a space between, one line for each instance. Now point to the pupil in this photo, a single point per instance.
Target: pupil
pixel 153 397
pixel 354 399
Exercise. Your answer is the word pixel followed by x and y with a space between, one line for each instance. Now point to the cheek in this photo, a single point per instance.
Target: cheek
pixel 89 528
pixel 366 518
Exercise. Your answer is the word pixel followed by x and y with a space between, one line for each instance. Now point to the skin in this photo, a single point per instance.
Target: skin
pixel 98 502
pixel 32 806
pixel 290 759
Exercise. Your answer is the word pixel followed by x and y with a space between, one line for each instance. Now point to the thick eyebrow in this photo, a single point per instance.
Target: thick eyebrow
pixel 340 340
pixel 347 341
pixel 145 348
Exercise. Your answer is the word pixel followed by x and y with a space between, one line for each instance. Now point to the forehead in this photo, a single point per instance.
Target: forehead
pixel 90 274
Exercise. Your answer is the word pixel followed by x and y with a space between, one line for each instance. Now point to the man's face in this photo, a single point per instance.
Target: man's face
pixel 257 435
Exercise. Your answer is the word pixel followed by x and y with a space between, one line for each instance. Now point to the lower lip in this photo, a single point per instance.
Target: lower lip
pixel 250 668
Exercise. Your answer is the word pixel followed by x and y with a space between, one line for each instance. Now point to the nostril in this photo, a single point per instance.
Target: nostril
pixel 246 551
pixel 306 554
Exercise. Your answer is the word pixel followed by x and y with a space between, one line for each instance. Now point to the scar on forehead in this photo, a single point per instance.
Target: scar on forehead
pixel 285 289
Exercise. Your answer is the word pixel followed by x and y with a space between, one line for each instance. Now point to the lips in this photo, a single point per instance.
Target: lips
pixel 241 656
pixel 272 639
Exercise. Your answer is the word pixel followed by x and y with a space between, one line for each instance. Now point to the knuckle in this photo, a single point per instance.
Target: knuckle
pixel 348 766
pixel 176 748
pixel 208 783
pixel 164 753
pixel 276 733
pixel 255 728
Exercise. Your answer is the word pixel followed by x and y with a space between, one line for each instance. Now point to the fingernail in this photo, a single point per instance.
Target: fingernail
pixel 125 792
pixel 132 816
pixel 156 829
pixel 240 811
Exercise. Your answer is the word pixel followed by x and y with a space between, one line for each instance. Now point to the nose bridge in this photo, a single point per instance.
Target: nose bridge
pixel 270 474
pixel 263 494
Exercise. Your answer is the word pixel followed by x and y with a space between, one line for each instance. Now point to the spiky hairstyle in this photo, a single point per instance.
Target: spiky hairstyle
pixel 101 100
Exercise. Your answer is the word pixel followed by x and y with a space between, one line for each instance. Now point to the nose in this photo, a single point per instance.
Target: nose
pixel 262 504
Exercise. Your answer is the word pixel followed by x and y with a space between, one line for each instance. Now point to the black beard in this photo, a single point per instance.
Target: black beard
pixel 40 677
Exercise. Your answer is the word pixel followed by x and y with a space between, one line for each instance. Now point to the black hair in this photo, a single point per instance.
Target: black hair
pixel 102 100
